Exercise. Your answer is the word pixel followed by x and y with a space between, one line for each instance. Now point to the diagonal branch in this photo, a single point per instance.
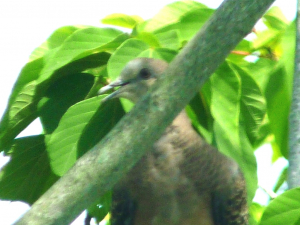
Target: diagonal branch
pixel 99 169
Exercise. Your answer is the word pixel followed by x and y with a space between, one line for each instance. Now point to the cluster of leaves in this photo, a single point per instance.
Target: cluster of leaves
pixel 242 105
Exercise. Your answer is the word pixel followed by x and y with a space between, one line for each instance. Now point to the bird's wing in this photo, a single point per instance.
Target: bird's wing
pixel 123 208
pixel 229 204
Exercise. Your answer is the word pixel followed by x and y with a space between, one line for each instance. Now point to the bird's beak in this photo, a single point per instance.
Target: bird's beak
pixel 117 83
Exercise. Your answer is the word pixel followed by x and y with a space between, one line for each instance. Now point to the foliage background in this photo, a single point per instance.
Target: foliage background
pixel 263 43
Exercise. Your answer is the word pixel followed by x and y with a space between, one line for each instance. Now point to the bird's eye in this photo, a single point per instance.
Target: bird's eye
pixel 145 73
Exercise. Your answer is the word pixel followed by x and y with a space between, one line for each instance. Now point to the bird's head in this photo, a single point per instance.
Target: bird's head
pixel 135 79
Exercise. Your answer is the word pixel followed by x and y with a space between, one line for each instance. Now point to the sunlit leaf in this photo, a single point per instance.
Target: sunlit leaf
pixel 278 106
pixel 190 23
pixel 19 115
pixel 122 20
pixel 256 211
pixel 275 19
pixel 129 50
pixel 80 44
pixel 54 41
pixel 171 14
pixel 169 39
pixel 285 209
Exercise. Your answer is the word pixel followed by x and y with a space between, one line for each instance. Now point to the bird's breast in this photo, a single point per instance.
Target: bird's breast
pixel 164 194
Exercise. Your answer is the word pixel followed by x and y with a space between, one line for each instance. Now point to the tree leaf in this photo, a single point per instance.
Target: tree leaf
pixel 169 39
pixel 127 51
pixel 192 21
pixel 256 211
pixel 28 174
pixel 285 209
pixel 148 38
pixel 275 19
pixel 253 107
pixel 54 41
pixel 22 107
pixel 19 115
pixel 199 112
pixel 225 103
pixel 30 86
pixel 278 107
pixel 122 20
pixel 266 38
pixel 62 94
pixel 171 14
pixel 230 136
pixel 80 44
pixel 82 126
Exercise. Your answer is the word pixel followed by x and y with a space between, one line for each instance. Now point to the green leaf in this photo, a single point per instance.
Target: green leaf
pixel 39 52
pixel 148 38
pixel 22 107
pixel 276 85
pixel 253 107
pixel 169 39
pixel 28 74
pixel 266 38
pixel 159 53
pixel 243 155
pixel 287 59
pixel 171 14
pixel 19 115
pixel 190 23
pixel 30 87
pixel 129 50
pixel 279 91
pixel 89 62
pixel 115 66
pixel 27 175
pixel 247 162
pixel 54 41
pixel 80 44
pixel 58 37
pixel 225 103
pixel 127 104
pixel 230 136
pixel 278 106
pixel 256 211
pixel 122 20
pixel 260 71
pixel 281 179
pixel 105 118
pixel 199 113
pixel 275 19
pixel 285 209
pixel 243 49
pixel 80 128
pixel 62 94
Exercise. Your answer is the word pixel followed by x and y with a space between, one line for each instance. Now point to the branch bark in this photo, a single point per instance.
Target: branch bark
pixel 99 169
pixel 294 131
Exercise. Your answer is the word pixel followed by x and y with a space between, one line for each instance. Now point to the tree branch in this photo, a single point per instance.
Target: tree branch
pixel 101 168
pixel 294 123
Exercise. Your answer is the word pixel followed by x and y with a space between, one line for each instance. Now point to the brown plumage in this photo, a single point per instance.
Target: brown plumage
pixel 182 180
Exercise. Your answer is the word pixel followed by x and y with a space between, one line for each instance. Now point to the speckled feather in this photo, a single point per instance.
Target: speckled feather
pixel 182 179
